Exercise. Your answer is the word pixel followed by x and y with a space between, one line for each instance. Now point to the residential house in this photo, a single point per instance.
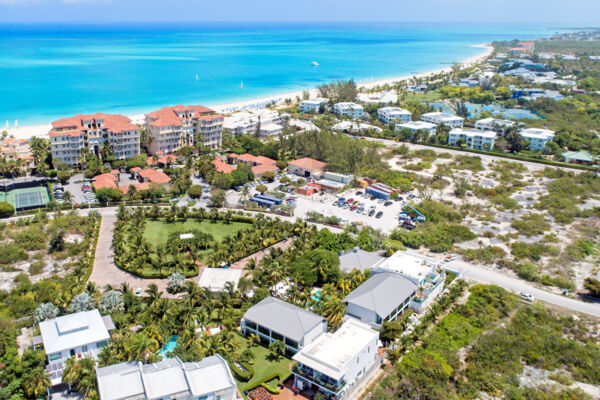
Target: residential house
pixel 274 319
pixel 172 128
pixel 380 298
pixel 312 105
pixel 78 335
pixel 579 157
pixel 348 109
pixel 154 176
pixel 336 363
pixel 537 137
pixel 208 379
pixel 492 124
pixel 472 138
pixel 354 127
pixel 385 97
pixel 12 149
pixel 388 115
pixel 443 118
pixel 415 126
pixel 246 122
pixel 70 136
pixel 358 259
pixel 259 164
pixel 307 167
pixel 270 129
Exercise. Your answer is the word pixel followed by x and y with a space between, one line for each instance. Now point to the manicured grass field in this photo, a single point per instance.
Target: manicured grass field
pixel 157 232
pixel 262 366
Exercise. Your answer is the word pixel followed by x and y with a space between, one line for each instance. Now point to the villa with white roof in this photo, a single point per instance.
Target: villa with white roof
pixel 387 115
pixel 348 109
pixel 537 137
pixel 336 362
pixel 473 139
pixel 79 335
pixel 208 379
pixel 312 105
pixel 244 122
pixel 385 97
pixel 443 118
pixel 414 126
pixel 491 124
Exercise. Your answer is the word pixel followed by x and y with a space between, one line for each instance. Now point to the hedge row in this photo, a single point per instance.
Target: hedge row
pixel 281 378
pixel 241 375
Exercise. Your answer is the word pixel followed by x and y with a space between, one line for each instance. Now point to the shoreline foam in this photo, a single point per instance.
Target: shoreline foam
pixel 41 130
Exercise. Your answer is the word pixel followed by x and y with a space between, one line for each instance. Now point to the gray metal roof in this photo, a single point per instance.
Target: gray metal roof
pixel 382 293
pixel 108 322
pixel 284 318
pixel 358 259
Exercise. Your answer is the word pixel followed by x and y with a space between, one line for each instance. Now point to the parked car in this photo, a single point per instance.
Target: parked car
pixel 379 214
pixel 371 212
pixel 399 198
pixel 353 208
pixel 526 296
pixel 408 225
pixel 388 203
pixel 138 291
pixel 349 201
pixel 359 193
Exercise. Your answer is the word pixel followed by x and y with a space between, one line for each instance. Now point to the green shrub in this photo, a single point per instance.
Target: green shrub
pixel 6 209
pixel 11 253
pixel 487 254
pixel 531 224
pixel 240 375
pixel 31 239
pixel 36 267
pixel 533 251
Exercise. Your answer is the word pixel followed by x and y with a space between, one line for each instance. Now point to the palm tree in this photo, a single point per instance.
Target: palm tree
pixel 141 347
pixel 253 340
pixel 36 382
pixel 153 293
pixel 334 310
pixel 245 192
pixel 277 349
pixel 81 375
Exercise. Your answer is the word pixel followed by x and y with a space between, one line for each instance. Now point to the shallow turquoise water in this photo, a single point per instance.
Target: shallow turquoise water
pixel 48 72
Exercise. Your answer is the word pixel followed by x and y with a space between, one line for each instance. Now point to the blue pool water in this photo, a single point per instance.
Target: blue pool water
pixel 168 347
pixel 52 71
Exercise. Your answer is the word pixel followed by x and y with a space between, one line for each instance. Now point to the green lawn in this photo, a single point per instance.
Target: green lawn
pixel 262 366
pixel 157 232
pixel 421 96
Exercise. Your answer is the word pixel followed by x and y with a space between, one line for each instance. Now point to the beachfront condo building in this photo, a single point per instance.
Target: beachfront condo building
pixel 388 115
pixel 312 105
pixel 172 128
pixel 537 137
pixel 472 138
pixel 348 109
pixel 443 118
pixel 493 124
pixel 69 137
pixel 268 122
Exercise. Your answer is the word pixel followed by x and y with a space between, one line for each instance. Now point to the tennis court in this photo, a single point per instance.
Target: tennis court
pixel 27 197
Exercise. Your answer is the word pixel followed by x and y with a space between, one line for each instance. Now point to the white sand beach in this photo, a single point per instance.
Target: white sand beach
pixel 26 132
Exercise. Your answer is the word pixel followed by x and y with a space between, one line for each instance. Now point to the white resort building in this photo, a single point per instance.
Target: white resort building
pixel 348 109
pixel 245 122
pixel 208 379
pixel 336 363
pixel 491 124
pixel 473 139
pixel 443 118
pixel 385 97
pixel 78 335
pixel 70 136
pixel 388 115
pixel 414 126
pixel 174 127
pixel 537 137
pixel 312 105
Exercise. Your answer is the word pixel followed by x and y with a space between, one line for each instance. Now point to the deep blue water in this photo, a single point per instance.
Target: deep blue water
pixel 48 72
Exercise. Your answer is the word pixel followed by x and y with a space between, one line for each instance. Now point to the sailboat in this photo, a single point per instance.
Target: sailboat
pixel 16 123
pixel 242 85
pixel 315 64
pixel 197 78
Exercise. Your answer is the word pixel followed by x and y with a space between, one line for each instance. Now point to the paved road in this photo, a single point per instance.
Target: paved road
pixel 516 285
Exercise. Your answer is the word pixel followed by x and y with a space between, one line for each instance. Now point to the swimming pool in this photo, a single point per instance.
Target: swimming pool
pixel 317 296
pixel 168 347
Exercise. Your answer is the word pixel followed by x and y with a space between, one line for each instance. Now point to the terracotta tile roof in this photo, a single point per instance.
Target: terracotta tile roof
pixel 105 181
pixel 74 126
pixel 154 176
pixel 138 186
pixel 13 141
pixel 308 163
pixel 167 116
pixel 265 160
pixel 210 117
pixel 261 169
pixel 223 167
pixel 135 169
pixel 247 157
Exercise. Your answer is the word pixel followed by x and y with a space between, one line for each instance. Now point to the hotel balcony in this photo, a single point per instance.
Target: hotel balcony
pixel 318 379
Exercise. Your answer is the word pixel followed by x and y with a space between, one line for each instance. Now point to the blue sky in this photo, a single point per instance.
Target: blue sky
pixel 558 13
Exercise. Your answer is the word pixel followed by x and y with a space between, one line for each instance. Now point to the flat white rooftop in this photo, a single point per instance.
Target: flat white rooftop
pixel 73 330
pixel 416 125
pixel 537 133
pixel 216 278
pixel 332 351
pixel 473 133
pixel 406 265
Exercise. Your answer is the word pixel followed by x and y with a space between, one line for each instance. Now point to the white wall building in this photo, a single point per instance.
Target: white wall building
pixel 348 109
pixel 438 118
pixel 208 379
pixel 388 115
pixel 537 137
pixel 414 126
pixel 474 139
pixel 245 122
pixel 79 335
pixel 385 97
pixel 354 127
pixel 336 361
pixel 312 105
pixel 491 124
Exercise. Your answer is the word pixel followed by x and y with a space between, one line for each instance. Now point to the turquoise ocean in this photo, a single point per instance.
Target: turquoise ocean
pixel 52 71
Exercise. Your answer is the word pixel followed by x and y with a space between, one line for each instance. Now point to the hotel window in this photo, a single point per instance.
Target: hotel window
pixel 53 357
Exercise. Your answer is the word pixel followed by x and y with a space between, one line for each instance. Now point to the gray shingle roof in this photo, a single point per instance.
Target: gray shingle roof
pixel 359 259
pixel 284 318
pixel 382 293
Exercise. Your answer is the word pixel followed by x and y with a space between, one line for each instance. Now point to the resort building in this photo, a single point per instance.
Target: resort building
pixel 358 259
pixel 208 379
pixel 537 137
pixel 337 363
pixel 354 127
pixel 385 97
pixel 348 109
pixel 70 136
pixel 417 270
pixel 12 149
pixel 307 167
pixel 172 128
pixel 78 335
pixel 273 319
pixel 388 115
pixel 415 126
pixel 259 164
pixel 380 298
pixel 579 157
pixel 246 122
pixel 443 118
pixel 493 124
pixel 312 105
pixel 472 138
